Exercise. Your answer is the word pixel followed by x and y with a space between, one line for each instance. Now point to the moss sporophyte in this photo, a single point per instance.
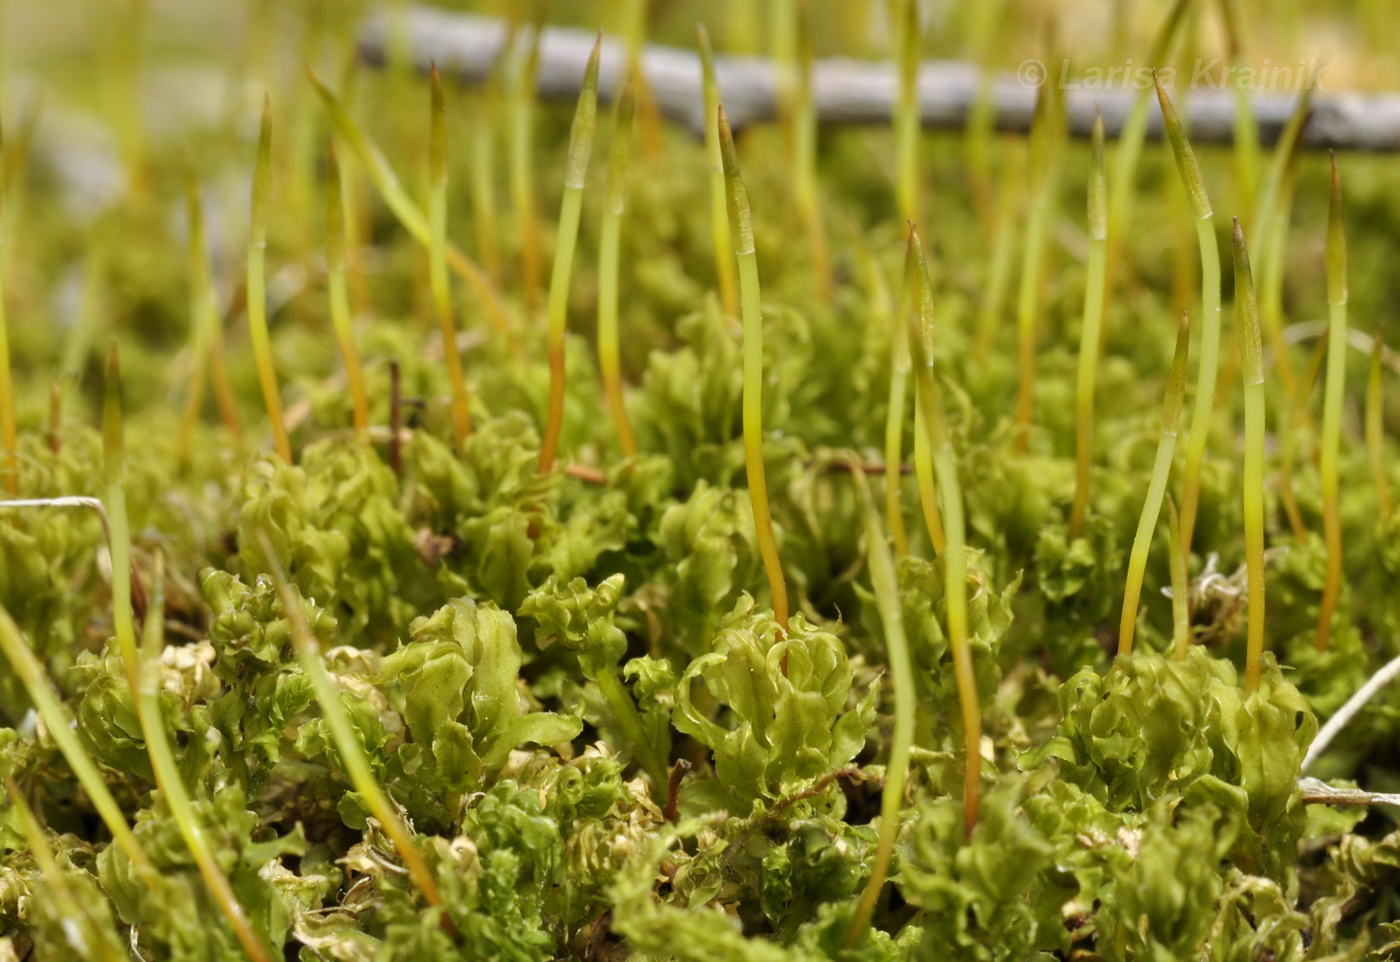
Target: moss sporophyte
pixel 1209 363
pixel 575 174
pixel 437 256
pixel 790 541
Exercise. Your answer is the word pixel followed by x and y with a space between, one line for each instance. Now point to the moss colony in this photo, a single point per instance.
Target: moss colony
pixel 808 545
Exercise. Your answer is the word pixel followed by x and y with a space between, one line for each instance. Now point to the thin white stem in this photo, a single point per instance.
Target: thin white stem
pixel 1347 712
pixel 68 501
pixel 1314 791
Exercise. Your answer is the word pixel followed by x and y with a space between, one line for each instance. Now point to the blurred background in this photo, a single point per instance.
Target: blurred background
pixel 111 106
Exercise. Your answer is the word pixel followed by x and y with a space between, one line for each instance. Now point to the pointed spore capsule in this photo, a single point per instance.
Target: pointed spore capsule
pixel 257 286
pixel 575 175
pixel 750 305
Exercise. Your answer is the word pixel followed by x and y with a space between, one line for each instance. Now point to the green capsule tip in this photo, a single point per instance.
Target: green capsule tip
pixel 740 218
pixel 707 54
pixel 262 177
pixel 909 43
pixel 585 119
pixel 617 150
pixel 1186 163
pixel 921 336
pixel 1098 184
pixel 1336 242
pixel 1247 312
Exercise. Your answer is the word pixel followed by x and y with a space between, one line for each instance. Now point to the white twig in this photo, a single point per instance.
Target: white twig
pixel 1316 791
pixel 1348 711
pixel 70 501
pixel 1359 341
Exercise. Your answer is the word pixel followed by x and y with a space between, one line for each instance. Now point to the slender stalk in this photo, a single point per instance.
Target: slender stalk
pixel 1185 256
pixel 1284 155
pixel 208 335
pixel 337 242
pixel 1044 181
pixel 1270 225
pixel 437 261
pixel 55 432
pixel 224 397
pixel 609 243
pixel 1375 425
pixel 1207 373
pixel 782 50
pixel 1252 369
pixel 911 309
pixel 633 25
pixel 484 135
pixel 854 27
pixel 257 285
pixel 907 127
pixel 1245 127
pixel 575 175
pixel 118 525
pixel 204 318
pixel 1271 309
pixel 69 905
pixel 9 439
pixel 1123 177
pixel 358 224
pixel 1332 409
pixel 124 86
pixel 1095 291
pixel 299 158
pixel 741 27
pixel 1156 489
pixel 343 734
pixel 1181 585
pixel 624 712
pixel 885 582
pixel 1003 251
pixel 521 120
pixel 955 552
pixel 981 115
pixel 395 418
pixel 94 310
pixel 14 169
pixel 741 230
pixel 719 212
pixel 925 475
pixel 892 320
pixel 39 848
pixel 170 782
pixel 61 728
pixel 805 182
pixel 1295 416
pixel 143 674
pixel 403 207
pixel 894 458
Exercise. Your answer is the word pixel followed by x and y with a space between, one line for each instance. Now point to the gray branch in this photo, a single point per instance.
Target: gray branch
pixel 861 92
pixel 1316 792
pixel 1387 673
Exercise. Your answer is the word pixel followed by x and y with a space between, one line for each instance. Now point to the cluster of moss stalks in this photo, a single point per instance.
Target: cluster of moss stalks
pixel 862 319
